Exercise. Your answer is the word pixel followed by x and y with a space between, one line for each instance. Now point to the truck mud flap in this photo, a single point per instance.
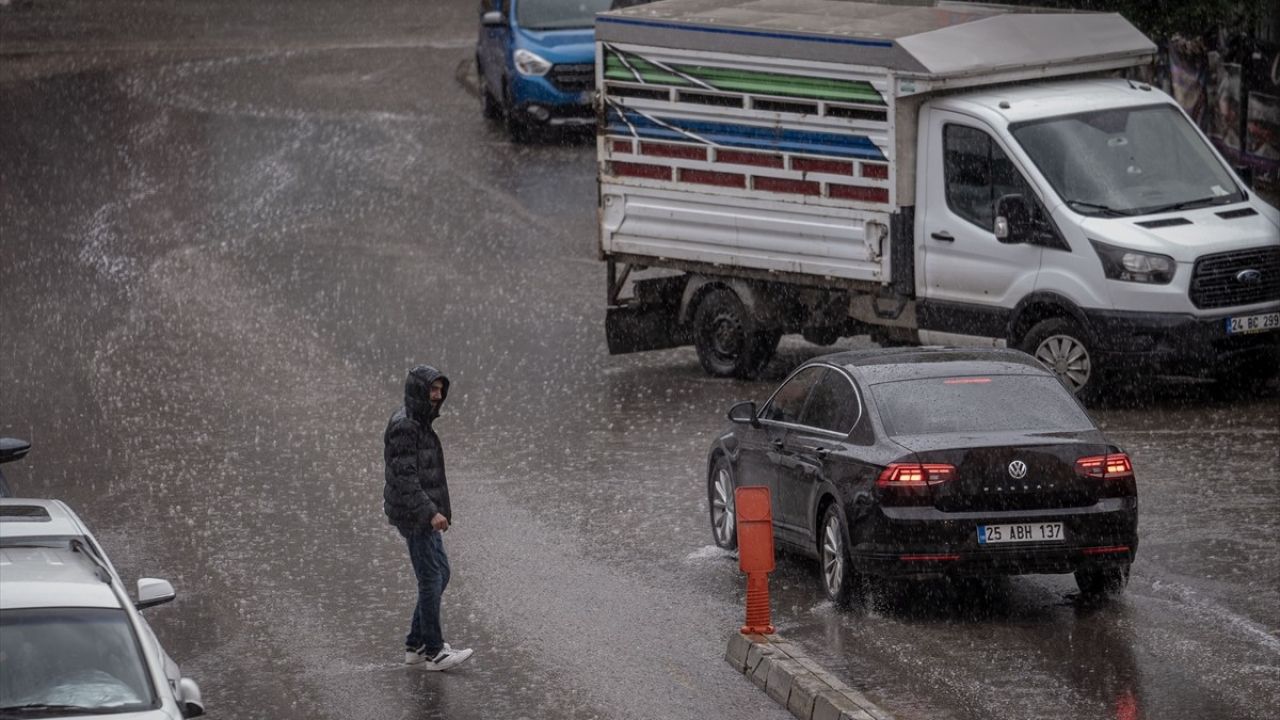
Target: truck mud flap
pixel 639 327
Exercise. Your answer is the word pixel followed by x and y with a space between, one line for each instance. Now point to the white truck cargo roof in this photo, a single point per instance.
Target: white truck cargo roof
pixel 937 42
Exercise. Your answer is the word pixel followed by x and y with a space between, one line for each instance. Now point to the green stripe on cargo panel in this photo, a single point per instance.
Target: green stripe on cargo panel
pixel 746 81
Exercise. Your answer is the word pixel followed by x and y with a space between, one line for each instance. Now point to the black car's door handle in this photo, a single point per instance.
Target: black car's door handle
pixel 943 235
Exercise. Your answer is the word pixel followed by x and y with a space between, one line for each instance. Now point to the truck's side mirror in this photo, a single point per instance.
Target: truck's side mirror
pixel 493 17
pixel 1013 220
pixel 1246 175
pixel 744 413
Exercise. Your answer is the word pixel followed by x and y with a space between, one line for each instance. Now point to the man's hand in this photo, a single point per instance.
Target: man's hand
pixel 439 522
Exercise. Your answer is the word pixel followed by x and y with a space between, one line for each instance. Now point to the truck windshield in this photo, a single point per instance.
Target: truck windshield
pixel 1127 161
pixel 559 14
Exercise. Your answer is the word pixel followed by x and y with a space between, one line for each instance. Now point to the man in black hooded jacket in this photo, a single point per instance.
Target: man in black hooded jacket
pixel 415 499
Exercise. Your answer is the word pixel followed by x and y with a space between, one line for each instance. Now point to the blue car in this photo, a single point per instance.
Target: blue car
pixel 536 62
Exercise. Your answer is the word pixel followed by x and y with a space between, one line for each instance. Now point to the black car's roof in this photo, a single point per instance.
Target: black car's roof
pixel 890 364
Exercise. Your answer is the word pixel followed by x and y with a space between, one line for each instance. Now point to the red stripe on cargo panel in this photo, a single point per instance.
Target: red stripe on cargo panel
pixel 708 177
pixel 835 167
pixel 738 157
pixel 878 172
pixel 782 185
pixel 656 172
pixel 623 146
pixel 685 152
pixel 853 192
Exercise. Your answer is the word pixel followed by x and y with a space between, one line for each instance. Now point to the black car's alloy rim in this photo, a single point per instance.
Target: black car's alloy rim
pixel 833 555
pixel 722 506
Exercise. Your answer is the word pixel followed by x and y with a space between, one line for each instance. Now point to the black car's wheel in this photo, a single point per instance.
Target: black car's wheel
pixel 720 497
pixel 839 580
pixel 729 341
pixel 1102 581
pixel 1065 348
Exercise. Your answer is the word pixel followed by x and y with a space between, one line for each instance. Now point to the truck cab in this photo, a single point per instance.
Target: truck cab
pixel 1091 224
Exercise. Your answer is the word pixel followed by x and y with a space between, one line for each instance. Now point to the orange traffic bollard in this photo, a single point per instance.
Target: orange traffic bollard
pixel 755 554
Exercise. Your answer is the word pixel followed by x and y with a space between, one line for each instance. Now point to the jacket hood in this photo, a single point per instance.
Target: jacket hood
pixel 417 393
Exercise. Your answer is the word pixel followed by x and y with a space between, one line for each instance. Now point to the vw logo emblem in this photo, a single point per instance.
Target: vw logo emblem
pixel 1249 277
pixel 1017 469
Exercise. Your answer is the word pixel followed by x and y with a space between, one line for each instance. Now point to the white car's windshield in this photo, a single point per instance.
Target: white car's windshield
pixel 1127 161
pixel 559 14
pixel 75 660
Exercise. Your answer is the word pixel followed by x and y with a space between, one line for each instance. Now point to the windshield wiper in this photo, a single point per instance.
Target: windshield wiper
pixel 1100 208
pixel 31 710
pixel 1192 204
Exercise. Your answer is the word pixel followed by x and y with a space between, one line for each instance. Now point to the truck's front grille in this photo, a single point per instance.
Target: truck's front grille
pixel 573 78
pixel 1224 280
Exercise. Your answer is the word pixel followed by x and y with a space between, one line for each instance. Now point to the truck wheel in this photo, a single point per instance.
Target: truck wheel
pixel 729 341
pixel 821 336
pixel 1063 347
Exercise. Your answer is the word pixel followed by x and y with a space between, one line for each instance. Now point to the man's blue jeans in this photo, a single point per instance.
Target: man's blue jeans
pixel 431 565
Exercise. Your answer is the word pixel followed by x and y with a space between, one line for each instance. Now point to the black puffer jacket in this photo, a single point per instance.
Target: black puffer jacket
pixel 415 487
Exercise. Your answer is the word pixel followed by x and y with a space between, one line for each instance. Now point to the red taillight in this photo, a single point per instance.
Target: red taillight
pixel 1105 467
pixel 916 474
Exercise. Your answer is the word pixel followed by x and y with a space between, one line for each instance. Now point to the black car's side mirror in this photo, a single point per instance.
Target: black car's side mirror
pixel 744 413
pixel 1013 220
pixel 493 17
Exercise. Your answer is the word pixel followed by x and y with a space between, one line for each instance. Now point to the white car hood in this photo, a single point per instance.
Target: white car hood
pixel 1206 232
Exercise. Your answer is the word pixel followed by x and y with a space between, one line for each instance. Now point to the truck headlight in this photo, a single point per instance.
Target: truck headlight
pixel 531 64
pixel 1133 266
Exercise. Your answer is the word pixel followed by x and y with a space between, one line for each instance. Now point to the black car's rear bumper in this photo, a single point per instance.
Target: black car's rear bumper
pixel 905 541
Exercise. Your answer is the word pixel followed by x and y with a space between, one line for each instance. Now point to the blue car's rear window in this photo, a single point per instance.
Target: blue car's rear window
pixel 978 404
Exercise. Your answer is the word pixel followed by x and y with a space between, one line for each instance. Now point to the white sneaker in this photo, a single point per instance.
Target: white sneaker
pixel 447 658
pixel 413 657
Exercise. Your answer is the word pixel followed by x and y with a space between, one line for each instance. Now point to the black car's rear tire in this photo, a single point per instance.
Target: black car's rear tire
pixel 1102 581
pixel 724 528
pixel 1065 349
pixel 730 342
pixel 839 580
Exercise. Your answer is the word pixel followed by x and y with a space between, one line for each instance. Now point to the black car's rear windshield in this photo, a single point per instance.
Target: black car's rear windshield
pixel 986 403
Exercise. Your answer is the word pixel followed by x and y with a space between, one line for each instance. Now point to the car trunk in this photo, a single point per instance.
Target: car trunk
pixel 987 470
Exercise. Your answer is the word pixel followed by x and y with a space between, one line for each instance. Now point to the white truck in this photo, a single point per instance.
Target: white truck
pixel 951 174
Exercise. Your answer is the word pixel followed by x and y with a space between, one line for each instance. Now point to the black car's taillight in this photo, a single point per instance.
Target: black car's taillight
pixel 913 475
pixel 1115 466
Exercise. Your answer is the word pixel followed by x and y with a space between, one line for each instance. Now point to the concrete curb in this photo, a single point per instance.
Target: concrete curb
pixel 796 682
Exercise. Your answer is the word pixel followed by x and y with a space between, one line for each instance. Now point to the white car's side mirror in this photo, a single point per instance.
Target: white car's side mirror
pixel 191 702
pixel 153 591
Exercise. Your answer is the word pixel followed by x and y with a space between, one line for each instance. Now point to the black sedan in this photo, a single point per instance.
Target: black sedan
pixel 931 461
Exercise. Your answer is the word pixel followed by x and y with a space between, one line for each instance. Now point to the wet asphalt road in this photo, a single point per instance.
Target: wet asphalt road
pixel 226 232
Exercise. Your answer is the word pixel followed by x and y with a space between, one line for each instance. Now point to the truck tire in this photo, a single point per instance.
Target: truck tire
pixel 821 336
pixel 1063 347
pixel 730 342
